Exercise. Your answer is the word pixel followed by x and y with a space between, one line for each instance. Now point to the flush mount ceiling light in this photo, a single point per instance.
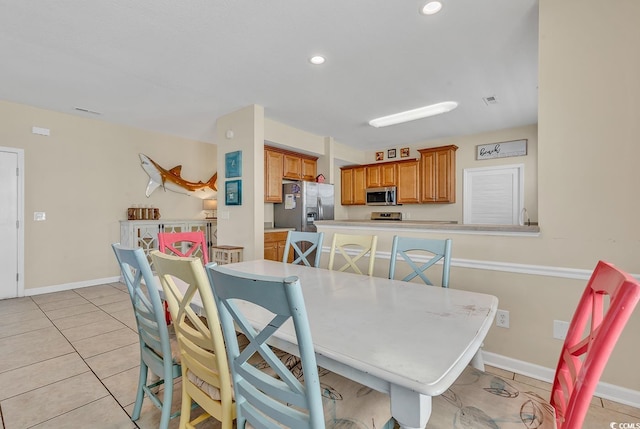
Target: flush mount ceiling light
pixel 412 115
pixel 317 60
pixel 431 7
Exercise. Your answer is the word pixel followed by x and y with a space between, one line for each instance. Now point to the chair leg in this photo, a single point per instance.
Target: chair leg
pixel 142 381
pixel 185 411
pixel 167 399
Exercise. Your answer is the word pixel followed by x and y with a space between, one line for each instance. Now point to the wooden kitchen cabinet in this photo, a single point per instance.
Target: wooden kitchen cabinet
pixel 298 167
pixel 309 169
pixel 282 164
pixel 292 167
pixel 273 173
pixel 381 175
pixel 408 181
pixel 274 246
pixel 438 174
pixel 353 185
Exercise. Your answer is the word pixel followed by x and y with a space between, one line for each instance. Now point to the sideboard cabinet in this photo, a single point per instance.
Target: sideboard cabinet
pixel 144 233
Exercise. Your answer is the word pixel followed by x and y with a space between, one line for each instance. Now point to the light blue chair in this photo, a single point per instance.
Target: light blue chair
pixel 285 390
pixel 435 249
pixel 297 241
pixel 155 345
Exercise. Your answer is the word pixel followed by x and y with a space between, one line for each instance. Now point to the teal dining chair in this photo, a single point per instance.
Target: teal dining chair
pixel 411 249
pixel 286 389
pixel 304 245
pixel 155 345
pixel 433 250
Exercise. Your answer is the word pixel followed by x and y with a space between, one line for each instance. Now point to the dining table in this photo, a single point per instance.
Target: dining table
pixel 408 340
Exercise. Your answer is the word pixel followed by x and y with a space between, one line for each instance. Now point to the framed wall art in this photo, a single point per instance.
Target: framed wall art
pixel 391 153
pixel 404 152
pixel 379 156
pixel 233 192
pixel 502 149
pixel 233 164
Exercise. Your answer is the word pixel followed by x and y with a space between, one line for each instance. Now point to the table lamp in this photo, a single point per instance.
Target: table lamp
pixel 210 206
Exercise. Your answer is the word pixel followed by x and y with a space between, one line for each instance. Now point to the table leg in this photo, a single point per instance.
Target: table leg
pixel 410 409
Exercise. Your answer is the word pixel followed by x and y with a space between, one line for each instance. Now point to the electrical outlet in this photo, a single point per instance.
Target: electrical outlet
pixel 560 329
pixel 502 318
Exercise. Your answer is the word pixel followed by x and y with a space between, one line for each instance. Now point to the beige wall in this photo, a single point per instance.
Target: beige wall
pixel 84 176
pixel 243 225
pixel 588 185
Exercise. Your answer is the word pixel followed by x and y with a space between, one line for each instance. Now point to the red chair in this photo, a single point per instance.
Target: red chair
pixel 583 357
pixel 480 400
pixel 184 244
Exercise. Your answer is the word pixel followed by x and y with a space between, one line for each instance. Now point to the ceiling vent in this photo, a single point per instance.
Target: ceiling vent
pixel 490 100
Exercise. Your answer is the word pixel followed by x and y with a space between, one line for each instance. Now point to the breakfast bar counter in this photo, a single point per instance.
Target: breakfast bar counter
pixel 431 226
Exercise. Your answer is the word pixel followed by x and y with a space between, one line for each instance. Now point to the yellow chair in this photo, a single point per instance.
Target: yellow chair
pixel 345 244
pixel 205 372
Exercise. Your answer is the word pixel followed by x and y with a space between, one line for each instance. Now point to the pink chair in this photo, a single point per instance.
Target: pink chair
pixel 173 243
pixel 184 244
pixel 583 357
pixel 480 400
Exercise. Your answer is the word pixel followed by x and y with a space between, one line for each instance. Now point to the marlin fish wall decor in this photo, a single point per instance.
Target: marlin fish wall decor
pixel 172 180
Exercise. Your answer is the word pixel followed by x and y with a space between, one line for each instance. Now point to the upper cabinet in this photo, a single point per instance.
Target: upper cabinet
pixel 438 174
pixel 282 164
pixel 430 179
pixel 292 167
pixel 408 181
pixel 352 185
pixel 273 172
pixel 309 169
pixel 379 175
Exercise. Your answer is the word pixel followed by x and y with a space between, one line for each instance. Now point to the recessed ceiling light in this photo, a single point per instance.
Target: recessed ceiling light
pixel 317 59
pixel 412 115
pixel 431 7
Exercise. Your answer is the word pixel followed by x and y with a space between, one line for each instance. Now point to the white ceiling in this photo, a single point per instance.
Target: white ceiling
pixel 175 66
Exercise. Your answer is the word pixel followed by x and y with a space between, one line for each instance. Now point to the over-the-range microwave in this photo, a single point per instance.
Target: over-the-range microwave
pixel 381 196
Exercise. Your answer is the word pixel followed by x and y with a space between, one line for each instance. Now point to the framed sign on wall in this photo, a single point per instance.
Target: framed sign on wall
pixel 502 149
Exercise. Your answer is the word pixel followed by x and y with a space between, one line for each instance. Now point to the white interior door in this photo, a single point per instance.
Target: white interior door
pixel 11 283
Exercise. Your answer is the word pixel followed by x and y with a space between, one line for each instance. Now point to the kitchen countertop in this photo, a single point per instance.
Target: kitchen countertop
pixel 267 230
pixel 433 226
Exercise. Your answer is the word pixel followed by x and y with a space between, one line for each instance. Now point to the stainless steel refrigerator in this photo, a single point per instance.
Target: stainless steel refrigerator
pixel 303 204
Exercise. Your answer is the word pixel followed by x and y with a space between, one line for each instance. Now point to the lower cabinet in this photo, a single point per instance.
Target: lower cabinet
pixel 274 245
pixel 144 233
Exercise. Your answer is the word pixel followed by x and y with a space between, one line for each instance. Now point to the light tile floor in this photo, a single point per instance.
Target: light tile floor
pixel 70 360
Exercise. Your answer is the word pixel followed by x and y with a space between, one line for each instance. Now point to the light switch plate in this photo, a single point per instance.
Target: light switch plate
pixel 39 216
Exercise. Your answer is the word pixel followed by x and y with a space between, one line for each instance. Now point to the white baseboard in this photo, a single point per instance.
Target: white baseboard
pixel 604 390
pixel 69 286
